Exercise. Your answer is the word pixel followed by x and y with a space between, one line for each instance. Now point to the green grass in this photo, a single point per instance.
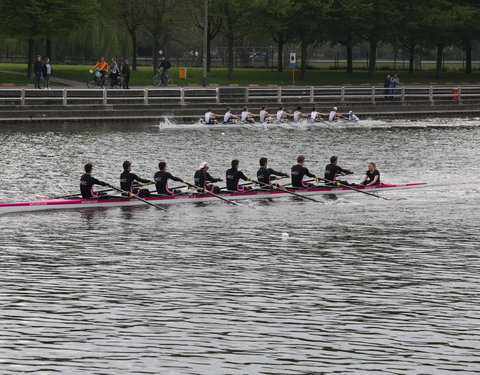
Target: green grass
pixel 9 78
pixel 143 76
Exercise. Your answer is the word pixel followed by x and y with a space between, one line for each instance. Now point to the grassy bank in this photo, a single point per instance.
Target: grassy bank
pixel 143 77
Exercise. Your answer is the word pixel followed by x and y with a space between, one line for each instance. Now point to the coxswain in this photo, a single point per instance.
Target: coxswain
pixel 352 116
pixel 161 180
pixel 265 116
pixel 87 182
pixel 229 118
pixel 265 174
pixel 202 179
pixel 333 114
pixel 298 115
pixel 234 176
pixel 128 179
pixel 298 172
pixel 282 115
pixel 210 117
pixel 372 176
pixel 247 116
pixel 332 170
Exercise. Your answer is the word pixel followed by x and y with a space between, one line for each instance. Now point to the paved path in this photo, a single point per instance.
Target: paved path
pixel 63 81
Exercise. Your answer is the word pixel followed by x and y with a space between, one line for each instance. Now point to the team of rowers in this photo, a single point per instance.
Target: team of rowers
pixel 130 182
pixel 246 116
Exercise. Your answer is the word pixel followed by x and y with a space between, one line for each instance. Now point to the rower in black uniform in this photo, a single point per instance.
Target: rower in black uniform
pixel 129 181
pixel 265 174
pixel 332 170
pixel 202 179
pixel 372 176
pixel 87 182
pixel 234 176
pixel 298 172
pixel 161 180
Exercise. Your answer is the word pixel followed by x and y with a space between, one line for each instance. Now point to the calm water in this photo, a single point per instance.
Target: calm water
pixel 362 286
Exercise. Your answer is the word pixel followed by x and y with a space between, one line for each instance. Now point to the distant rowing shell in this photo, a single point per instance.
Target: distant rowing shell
pixel 80 203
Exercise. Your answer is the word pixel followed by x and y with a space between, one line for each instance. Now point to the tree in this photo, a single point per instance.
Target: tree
pixel 132 16
pixel 345 21
pixel 466 13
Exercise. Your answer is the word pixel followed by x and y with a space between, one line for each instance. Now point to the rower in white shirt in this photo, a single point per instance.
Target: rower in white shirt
pixel 229 118
pixel 333 114
pixel 298 115
pixel 282 115
pixel 247 116
pixel 265 116
pixel 316 116
pixel 210 117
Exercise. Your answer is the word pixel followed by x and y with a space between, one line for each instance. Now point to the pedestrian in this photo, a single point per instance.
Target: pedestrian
pixel 38 70
pixel 126 74
pixel 47 72
pixel 114 71
pixel 165 65
pixel 386 86
pixel 394 82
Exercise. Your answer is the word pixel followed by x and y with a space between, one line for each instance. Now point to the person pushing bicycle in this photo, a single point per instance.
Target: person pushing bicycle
pixel 165 65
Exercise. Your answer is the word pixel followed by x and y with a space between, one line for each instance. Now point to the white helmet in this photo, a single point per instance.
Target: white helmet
pixel 350 112
pixel 334 108
pixel 203 165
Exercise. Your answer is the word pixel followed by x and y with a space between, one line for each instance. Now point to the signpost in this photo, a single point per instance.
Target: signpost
pixel 293 64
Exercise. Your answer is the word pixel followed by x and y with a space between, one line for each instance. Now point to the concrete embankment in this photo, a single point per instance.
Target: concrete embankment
pixel 187 105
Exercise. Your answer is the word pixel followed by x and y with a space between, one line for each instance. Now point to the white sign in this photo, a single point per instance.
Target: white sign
pixel 293 59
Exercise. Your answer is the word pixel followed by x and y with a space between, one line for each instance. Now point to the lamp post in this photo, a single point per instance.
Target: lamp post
pixel 205 44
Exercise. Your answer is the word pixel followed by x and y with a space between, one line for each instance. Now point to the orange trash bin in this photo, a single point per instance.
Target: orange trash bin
pixel 182 73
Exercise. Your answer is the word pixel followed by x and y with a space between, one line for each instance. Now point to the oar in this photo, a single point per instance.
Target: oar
pixel 286 191
pixel 77 195
pixel 215 195
pixel 131 195
pixel 358 190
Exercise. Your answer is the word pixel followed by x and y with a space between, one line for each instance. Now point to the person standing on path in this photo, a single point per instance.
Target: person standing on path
pixel 114 71
pixel 165 65
pixel 394 82
pixel 126 74
pixel 47 72
pixel 38 69
pixel 386 86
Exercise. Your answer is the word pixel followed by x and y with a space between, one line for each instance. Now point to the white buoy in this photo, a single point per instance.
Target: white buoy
pixel 285 236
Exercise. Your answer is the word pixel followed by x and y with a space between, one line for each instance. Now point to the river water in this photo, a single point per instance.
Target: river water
pixel 361 286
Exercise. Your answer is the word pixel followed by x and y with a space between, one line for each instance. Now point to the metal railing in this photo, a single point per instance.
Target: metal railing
pixel 242 95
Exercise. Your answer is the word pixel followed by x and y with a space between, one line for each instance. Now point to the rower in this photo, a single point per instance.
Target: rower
pixel 298 172
pixel 316 116
pixel 229 118
pixel 264 174
pixel 210 117
pixel 332 170
pixel 161 180
pixel 87 182
pixel 234 176
pixel 298 115
pixel 372 176
pixel 352 116
pixel 127 181
pixel 202 178
pixel 265 116
pixel 282 115
pixel 247 116
pixel 333 114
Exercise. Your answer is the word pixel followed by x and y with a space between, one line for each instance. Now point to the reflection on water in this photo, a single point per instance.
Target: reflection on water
pixel 361 286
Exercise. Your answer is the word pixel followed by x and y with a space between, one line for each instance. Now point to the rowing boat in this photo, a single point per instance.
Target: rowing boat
pixel 187 197
pixel 304 124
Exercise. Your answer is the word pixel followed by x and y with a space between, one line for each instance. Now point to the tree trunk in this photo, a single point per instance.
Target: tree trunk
pixel 48 48
pixel 372 63
pixel 133 35
pixel 303 66
pixel 230 58
pixel 411 57
pixel 280 44
pixel 349 58
pixel 468 56
pixel 156 43
pixel 31 46
pixel 438 68
pixel 209 54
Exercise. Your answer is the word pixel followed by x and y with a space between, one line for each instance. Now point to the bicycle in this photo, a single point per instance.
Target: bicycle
pixel 96 79
pixel 162 79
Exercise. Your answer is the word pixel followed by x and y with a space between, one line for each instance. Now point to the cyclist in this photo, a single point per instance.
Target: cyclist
pixel 102 67
pixel 165 65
